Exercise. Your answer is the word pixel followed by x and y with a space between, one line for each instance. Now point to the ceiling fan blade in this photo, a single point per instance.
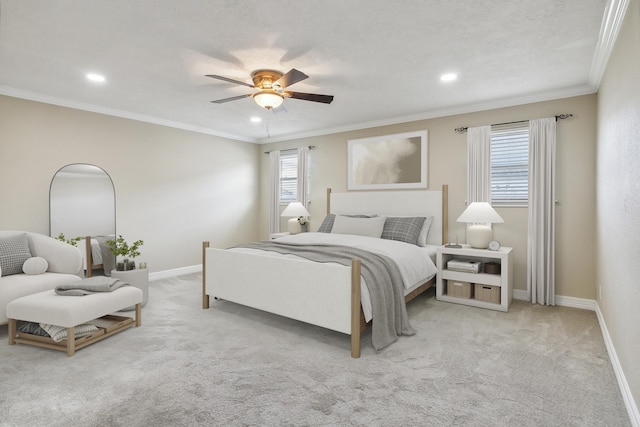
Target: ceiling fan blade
pixel 325 99
pixel 233 98
pixel 227 79
pixel 293 76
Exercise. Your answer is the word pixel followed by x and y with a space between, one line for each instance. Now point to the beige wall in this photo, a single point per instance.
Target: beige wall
pixel 447 165
pixel 174 188
pixel 618 198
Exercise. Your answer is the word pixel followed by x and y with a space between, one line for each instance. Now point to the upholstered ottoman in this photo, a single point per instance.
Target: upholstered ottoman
pixel 70 311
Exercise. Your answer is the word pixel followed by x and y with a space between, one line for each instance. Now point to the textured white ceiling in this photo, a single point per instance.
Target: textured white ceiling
pixel 380 59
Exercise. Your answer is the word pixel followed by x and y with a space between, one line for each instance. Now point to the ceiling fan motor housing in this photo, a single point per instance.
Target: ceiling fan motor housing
pixel 264 79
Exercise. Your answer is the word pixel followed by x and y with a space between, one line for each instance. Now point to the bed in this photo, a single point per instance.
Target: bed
pixel 96 255
pixel 325 294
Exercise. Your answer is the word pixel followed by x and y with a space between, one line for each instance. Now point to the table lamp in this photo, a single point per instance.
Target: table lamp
pixel 294 210
pixel 479 216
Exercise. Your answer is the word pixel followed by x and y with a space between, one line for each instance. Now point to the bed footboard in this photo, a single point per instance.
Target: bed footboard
pixel 322 294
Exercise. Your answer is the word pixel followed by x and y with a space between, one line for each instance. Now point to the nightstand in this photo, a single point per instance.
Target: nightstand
pixel 485 290
pixel 277 235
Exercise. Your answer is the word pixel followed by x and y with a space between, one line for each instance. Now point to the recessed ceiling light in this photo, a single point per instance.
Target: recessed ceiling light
pixel 95 77
pixel 255 119
pixel 448 77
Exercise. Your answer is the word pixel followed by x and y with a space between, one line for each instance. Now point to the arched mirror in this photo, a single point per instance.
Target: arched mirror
pixel 82 207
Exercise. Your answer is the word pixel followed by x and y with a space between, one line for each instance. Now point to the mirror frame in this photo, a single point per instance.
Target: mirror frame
pixel 81 164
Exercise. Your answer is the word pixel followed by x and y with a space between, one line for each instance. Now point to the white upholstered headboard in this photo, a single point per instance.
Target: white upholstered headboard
pixel 397 203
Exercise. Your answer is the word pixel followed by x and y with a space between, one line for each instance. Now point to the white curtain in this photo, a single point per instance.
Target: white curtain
pixel 303 176
pixel 479 164
pixel 274 192
pixel 541 231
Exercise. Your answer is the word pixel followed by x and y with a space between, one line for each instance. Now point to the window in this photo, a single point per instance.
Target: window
pixel 510 164
pixel 288 176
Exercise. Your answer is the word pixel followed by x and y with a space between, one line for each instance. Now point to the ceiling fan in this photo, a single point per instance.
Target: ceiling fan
pixel 272 84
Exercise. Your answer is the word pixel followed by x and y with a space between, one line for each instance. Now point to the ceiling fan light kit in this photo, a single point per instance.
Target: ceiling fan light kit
pixel 268 99
pixel 271 84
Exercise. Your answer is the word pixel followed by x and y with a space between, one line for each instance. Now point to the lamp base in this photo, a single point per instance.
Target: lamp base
pixel 294 226
pixel 479 236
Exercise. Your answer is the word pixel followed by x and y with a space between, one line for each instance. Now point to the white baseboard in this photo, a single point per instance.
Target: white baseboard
pixel 583 303
pixel 627 397
pixel 157 275
pixel 520 294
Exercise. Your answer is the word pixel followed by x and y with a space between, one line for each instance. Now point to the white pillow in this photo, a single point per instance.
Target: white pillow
pixel 370 227
pixel 35 265
pixel 422 238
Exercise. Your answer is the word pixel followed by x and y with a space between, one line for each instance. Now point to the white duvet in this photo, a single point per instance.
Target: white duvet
pixel 416 263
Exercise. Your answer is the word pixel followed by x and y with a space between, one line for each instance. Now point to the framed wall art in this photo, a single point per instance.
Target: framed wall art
pixel 388 162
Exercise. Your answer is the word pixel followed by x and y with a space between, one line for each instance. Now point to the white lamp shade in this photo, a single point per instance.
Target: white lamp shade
pixel 295 209
pixel 480 213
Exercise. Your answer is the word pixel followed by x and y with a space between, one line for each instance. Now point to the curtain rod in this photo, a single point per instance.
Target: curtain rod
pixel 463 129
pixel 310 147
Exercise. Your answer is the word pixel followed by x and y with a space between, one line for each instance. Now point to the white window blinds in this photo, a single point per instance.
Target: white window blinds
pixel 510 164
pixel 288 176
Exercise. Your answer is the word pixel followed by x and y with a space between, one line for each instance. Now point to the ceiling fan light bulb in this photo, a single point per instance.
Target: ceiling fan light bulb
pixel 268 99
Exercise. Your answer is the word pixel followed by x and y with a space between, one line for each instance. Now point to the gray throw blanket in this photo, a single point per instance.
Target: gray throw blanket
pixel 91 285
pixel 382 277
pixel 108 258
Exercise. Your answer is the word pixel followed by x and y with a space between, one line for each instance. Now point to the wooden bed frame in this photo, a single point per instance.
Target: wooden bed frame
pixel 89 259
pixel 322 294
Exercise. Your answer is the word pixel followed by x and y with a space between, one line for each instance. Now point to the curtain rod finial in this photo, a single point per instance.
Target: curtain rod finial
pixel 461 129
pixel 564 116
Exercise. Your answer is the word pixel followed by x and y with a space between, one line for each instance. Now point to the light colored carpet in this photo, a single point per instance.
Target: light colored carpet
pixel 231 365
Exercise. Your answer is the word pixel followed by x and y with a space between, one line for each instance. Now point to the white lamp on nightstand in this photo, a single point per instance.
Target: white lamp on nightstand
pixel 295 210
pixel 479 216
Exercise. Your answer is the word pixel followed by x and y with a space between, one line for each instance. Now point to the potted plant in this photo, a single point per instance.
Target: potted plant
pixel 73 241
pixel 120 247
pixel 303 223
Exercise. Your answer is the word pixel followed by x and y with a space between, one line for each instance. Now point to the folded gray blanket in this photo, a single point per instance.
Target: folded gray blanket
pixel 91 285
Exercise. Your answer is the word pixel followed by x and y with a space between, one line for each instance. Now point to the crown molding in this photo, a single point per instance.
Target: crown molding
pixel 586 89
pixel 611 23
pixel 62 102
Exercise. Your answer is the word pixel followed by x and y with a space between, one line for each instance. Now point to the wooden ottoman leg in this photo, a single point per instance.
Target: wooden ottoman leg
pixel 71 341
pixel 12 331
pixel 138 315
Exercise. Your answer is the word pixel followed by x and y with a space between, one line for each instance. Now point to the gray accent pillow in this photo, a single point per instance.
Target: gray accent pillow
pixel 32 328
pixel 327 222
pixel 403 229
pixel 14 251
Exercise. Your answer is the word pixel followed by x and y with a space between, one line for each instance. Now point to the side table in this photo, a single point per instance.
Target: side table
pixel 138 278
